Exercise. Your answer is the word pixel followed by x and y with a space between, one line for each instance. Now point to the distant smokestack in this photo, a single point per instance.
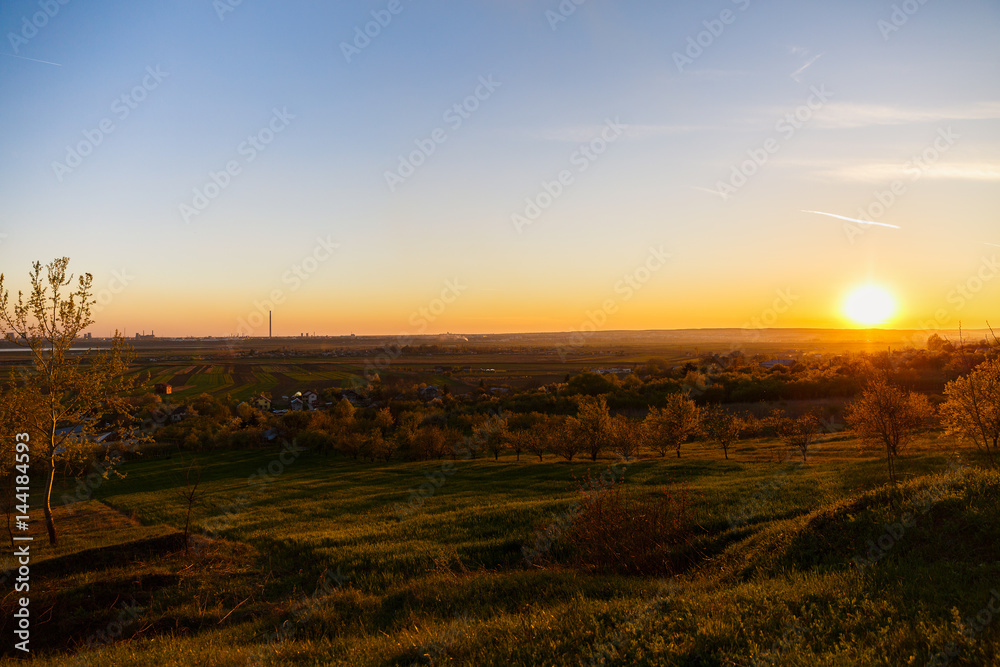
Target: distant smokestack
pixel 269 324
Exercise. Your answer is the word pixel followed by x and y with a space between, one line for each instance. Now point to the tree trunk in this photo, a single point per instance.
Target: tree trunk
pixel 49 523
pixel 187 533
pixel 678 452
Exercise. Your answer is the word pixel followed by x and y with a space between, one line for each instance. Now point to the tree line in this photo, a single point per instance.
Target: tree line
pixel 62 398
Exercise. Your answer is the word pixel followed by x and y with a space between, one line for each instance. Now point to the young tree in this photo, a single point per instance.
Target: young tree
pixel 343 416
pixel 517 441
pixel 431 442
pixel 886 416
pixel 66 389
pixel 671 426
pixel 249 415
pixel 626 436
pixel 380 446
pixel 383 420
pixel 407 433
pixel 723 426
pixel 491 434
pixel 189 493
pixel 972 408
pixel 798 432
pixel 534 442
pixel 564 441
pixel 592 425
pixel 353 444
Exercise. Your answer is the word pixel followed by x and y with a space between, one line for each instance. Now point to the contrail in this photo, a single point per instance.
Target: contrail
pixel 860 222
pixel 35 60
pixel 995 245
pixel 795 74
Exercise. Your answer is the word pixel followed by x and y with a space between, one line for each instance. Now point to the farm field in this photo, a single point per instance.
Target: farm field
pixel 243 379
pixel 245 368
pixel 310 563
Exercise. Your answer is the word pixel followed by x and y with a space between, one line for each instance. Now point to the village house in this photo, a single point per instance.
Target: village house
pixel 310 397
pixel 353 397
pixel 430 393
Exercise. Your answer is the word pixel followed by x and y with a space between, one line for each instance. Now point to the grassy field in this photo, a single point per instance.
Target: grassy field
pixel 300 559
pixel 243 379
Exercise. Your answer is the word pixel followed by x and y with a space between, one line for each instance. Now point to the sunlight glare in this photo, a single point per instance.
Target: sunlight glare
pixel 870 305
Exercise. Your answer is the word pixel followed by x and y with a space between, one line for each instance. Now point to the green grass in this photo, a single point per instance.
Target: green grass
pixel 448 584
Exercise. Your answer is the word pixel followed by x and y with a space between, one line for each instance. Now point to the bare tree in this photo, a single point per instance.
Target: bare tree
pixel 189 493
pixel 67 395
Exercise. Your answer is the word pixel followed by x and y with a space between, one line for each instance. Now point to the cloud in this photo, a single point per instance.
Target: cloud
pixel 882 171
pixel 851 115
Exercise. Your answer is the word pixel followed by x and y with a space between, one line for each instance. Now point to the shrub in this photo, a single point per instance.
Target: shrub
pixel 620 531
pixel 315 441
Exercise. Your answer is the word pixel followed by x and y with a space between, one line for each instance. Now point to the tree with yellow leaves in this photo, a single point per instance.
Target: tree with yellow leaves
pixel 65 397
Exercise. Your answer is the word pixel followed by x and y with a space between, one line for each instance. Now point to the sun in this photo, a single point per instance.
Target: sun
pixel 869 305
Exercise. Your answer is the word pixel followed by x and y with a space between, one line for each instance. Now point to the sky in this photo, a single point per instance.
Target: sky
pixel 412 166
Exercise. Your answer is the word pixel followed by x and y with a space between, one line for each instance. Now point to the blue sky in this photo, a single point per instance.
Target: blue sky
pixel 891 93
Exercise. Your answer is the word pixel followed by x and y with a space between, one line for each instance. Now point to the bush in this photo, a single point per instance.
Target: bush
pixel 623 532
pixel 316 441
